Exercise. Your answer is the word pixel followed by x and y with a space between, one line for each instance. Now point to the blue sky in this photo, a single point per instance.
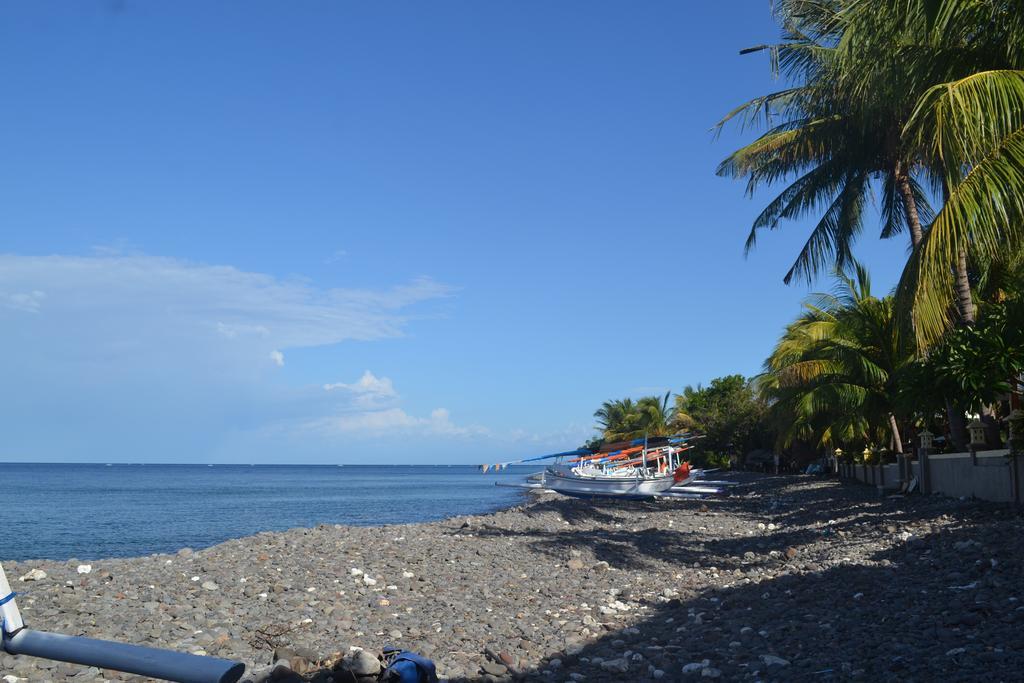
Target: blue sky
pixel 372 232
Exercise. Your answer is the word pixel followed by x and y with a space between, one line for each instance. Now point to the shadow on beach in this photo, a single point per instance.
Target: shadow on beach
pixel 933 596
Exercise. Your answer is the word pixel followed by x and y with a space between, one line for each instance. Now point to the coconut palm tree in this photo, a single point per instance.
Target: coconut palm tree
pixel 920 91
pixel 832 377
pixel 832 141
pixel 974 129
pixel 627 419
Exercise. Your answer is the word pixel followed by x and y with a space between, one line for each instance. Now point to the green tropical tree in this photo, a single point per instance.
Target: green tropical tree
pixel 831 139
pixel 728 411
pixel 623 419
pixel 898 95
pixel 833 377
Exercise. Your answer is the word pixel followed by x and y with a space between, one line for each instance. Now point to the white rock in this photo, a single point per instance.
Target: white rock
pixel 710 672
pixel 210 586
pixel 769 660
pixel 34 575
pixel 355 572
pixel 407 575
pixel 368 581
pixel 658 673
pixel 694 667
pixel 955 651
pixel 84 568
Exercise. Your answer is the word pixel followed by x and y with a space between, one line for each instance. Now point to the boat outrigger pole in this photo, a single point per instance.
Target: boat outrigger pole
pixel 167 665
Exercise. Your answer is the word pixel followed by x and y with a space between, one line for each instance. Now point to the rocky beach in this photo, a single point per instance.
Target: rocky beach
pixel 790 578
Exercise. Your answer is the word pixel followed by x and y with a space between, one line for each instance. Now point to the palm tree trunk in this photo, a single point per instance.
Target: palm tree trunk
pixel 965 307
pixel 909 207
pixel 964 302
pixel 897 441
pixel 957 425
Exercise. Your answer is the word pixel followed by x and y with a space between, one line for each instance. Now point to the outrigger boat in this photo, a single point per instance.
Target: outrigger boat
pixel 642 468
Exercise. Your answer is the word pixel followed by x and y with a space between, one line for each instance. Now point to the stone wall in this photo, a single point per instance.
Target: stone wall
pixel 987 475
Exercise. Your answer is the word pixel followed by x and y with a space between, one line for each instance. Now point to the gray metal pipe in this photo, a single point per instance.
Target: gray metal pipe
pixel 144 661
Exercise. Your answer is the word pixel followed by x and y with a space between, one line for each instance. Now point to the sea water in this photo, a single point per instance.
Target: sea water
pixel 89 511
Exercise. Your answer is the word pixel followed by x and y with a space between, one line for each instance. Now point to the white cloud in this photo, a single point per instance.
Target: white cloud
pixel 147 305
pixel 161 359
pixel 390 421
pixel 232 331
pixel 369 390
pixel 23 301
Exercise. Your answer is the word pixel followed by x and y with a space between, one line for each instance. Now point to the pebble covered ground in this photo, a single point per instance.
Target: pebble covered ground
pixel 790 578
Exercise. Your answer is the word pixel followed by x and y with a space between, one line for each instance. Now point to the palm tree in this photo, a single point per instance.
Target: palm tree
pixel 832 140
pixel 974 129
pixel 832 377
pixel 896 92
pixel 624 419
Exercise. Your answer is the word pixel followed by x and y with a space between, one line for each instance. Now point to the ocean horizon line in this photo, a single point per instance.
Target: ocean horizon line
pixel 241 464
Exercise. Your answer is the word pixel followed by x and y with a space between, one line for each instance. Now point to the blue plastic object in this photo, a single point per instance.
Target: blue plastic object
pixel 409 667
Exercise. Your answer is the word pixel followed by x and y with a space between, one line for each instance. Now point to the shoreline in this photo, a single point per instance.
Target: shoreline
pixel 525 500
pixel 128 511
pixel 743 588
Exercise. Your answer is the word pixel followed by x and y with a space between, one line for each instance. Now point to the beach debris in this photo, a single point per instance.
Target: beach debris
pixel 84 568
pixel 34 575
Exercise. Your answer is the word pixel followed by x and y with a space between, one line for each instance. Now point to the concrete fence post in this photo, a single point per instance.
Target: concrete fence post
pixel 922 460
pixel 1014 477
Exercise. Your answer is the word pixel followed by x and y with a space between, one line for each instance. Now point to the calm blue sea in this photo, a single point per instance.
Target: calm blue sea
pixel 57 511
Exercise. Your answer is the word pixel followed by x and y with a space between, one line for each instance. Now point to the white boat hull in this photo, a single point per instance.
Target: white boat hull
pixel 571 484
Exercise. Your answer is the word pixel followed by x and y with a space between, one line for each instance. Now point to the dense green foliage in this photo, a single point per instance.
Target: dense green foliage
pixel 728 412
pixel 900 96
pixel 834 376
pixel 919 103
pixel 629 419
pixel 916 107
